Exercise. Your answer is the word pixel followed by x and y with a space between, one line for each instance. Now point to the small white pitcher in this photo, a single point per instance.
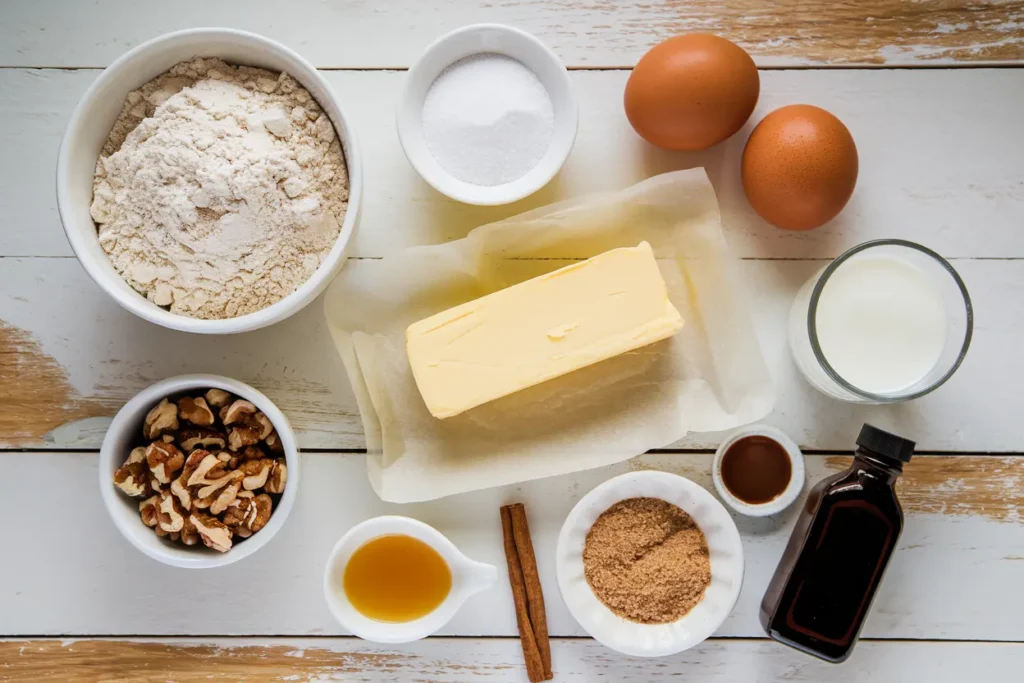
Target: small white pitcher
pixel 468 578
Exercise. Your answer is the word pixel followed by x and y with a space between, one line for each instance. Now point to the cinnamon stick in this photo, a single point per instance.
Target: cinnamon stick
pixel 527 636
pixel 534 593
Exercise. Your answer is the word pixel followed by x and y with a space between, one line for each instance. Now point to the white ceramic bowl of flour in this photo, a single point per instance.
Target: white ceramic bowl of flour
pixel 481 60
pixel 90 125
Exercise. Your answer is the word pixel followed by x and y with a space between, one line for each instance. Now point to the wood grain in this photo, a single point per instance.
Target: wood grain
pixel 142 662
pixel 865 32
pixel 37 395
pixel 73 569
pixel 939 161
pixel 601 33
pixel 954 486
pixel 441 660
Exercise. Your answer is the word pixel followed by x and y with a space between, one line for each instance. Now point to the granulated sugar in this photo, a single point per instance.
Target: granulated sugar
pixel 488 119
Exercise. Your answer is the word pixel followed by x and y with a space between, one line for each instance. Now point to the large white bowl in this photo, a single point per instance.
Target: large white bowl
pixel 125 433
pixel 90 125
pixel 462 43
pixel 651 640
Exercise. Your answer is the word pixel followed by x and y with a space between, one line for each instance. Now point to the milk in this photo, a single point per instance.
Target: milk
pixel 881 325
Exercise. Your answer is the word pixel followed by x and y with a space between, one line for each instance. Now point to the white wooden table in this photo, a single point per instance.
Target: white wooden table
pixel 942 162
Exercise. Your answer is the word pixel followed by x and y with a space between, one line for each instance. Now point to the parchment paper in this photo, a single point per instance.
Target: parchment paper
pixel 709 377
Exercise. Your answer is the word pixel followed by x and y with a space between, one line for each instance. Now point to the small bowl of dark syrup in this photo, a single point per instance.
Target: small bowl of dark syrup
pixel 758 471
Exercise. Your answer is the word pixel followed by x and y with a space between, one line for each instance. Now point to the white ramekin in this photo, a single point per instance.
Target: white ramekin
pixel 125 433
pixel 90 125
pixel 477 39
pixel 468 578
pixel 651 640
pixel 783 500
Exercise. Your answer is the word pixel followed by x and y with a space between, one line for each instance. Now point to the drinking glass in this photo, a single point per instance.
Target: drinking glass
pixel 804 330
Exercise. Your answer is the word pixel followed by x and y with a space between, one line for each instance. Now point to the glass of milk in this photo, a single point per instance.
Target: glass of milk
pixel 887 321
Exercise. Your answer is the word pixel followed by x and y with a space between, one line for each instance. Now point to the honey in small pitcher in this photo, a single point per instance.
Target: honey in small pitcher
pixel 396 578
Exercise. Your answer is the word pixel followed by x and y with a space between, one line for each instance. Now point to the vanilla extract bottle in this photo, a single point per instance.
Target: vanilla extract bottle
pixel 842 542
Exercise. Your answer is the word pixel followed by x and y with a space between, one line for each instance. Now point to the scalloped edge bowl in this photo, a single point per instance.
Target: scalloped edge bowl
pixel 651 640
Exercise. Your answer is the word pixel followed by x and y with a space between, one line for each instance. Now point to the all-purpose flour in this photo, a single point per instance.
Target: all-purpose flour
pixel 220 189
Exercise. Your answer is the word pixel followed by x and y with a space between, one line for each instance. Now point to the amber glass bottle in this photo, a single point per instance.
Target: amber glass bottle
pixel 823 587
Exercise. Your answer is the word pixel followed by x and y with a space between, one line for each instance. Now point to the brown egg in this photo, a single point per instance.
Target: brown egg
pixel 799 167
pixel 691 92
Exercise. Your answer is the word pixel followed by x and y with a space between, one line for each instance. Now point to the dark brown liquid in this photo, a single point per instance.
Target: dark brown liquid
pixel 829 573
pixel 756 469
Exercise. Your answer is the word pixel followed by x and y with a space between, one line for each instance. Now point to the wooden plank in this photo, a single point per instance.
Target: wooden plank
pixel 31 129
pixel 951 577
pixel 53 399
pixel 350 33
pixel 929 170
pixel 72 356
pixel 444 660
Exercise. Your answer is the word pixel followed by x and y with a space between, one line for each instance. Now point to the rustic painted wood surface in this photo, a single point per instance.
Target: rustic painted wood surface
pixel 457 660
pixel 74 356
pixel 953 577
pixel 939 151
pixel 605 33
pixel 926 176
pixel 940 163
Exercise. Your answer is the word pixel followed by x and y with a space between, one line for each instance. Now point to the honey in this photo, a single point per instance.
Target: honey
pixel 396 578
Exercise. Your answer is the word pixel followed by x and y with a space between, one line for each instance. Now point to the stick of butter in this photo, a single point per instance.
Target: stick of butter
pixel 540 329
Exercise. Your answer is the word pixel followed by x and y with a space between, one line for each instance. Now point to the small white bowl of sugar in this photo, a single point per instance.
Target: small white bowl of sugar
pixel 487 115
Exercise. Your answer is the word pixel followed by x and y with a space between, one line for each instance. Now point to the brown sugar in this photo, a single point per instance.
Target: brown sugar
pixel 647 560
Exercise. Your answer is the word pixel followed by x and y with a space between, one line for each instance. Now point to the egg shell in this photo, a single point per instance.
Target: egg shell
pixel 691 92
pixel 799 167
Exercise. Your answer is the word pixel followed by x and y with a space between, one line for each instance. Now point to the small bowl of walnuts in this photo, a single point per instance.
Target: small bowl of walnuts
pixel 199 470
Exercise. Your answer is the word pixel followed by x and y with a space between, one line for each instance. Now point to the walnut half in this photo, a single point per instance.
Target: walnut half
pixel 248 514
pixel 215 533
pixel 164 460
pixel 195 410
pixel 201 437
pixel 169 515
pixel 273 442
pixel 278 477
pixel 148 512
pixel 179 487
pixel 217 398
pixel 256 473
pixel 243 435
pixel 225 497
pixel 160 420
pixel 237 412
pixel 133 479
pixel 189 533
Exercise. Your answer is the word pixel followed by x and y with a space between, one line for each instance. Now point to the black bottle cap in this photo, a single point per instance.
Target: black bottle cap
pixel 885 444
